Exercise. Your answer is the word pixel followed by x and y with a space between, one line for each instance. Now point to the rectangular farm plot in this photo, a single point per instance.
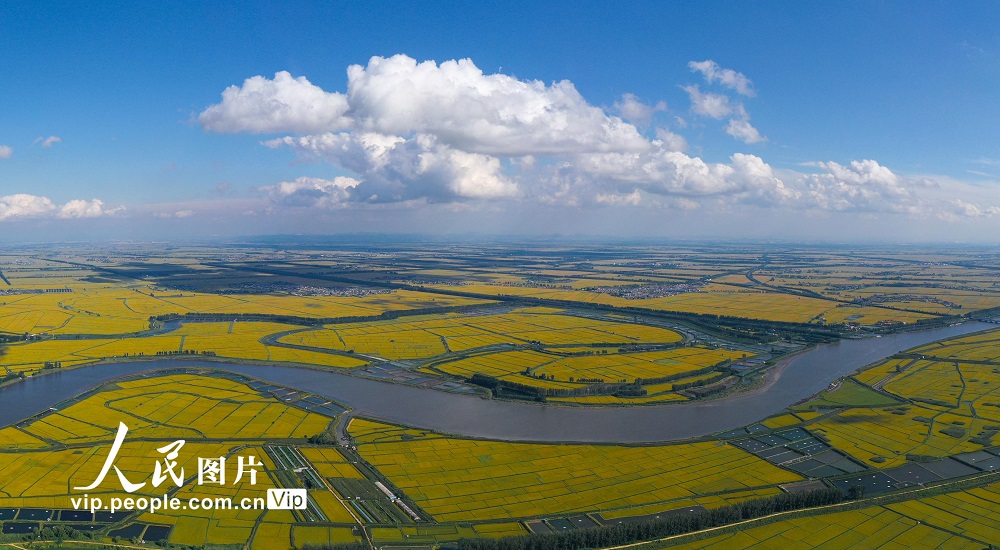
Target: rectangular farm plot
pixel 51 473
pixel 939 381
pixel 629 366
pixel 220 525
pixel 433 336
pixel 304 534
pixel 330 463
pixel 12 438
pixel 868 433
pixel 798 450
pixel 460 480
pixel 271 535
pixel 505 365
pixel 551 370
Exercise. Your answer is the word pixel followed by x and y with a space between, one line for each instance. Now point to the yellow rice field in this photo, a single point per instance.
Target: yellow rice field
pixel 461 479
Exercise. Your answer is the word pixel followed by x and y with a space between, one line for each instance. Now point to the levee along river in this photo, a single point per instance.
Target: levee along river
pixel 803 376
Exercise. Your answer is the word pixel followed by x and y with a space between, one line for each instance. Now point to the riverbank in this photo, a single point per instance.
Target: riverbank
pixel 799 377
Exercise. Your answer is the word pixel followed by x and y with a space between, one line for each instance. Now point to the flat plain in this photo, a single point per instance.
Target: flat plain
pixel 580 326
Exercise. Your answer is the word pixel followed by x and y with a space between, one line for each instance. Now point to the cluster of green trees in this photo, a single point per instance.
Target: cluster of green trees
pixel 227 317
pixel 641 348
pixel 495 384
pixel 675 524
pixel 12 376
pixel 59 533
pixel 748 330
pixel 23 337
pixel 702 382
pixel 338 546
pixel 620 389
pixel 309 321
pixel 184 352
pixel 685 374
pixel 324 438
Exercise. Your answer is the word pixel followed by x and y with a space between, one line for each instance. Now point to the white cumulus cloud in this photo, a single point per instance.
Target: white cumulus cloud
pixel 964 209
pixel 634 110
pixel 746 178
pixel 397 169
pixel 6 151
pixel 425 132
pixel 727 77
pixel 706 104
pixel 455 101
pixel 24 205
pixel 281 104
pixel 741 129
pixel 863 185
pixel 422 130
pixel 671 141
pixel 492 114
pixel 309 192
pixel 93 208
pixel 720 106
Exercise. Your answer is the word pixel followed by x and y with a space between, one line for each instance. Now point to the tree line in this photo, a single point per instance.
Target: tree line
pixel 310 321
pixel 686 374
pixel 618 390
pixel 337 546
pixel 622 389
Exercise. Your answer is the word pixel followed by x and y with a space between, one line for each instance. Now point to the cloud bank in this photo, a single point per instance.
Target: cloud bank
pixel 23 206
pixel 412 132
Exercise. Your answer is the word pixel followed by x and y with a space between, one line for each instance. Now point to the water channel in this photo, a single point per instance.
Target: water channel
pixel 803 375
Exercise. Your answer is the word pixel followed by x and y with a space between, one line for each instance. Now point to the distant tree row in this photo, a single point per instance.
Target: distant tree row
pixel 619 390
pixel 309 321
pixel 229 317
pixel 59 533
pixel 25 337
pixel 749 330
pixel 337 546
pixel 597 386
pixel 685 374
pixel 12 376
pixel 702 382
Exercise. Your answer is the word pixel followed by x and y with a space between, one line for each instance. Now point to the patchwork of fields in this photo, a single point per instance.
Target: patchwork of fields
pixel 455 333
pixel 966 519
pixel 545 319
pixel 214 416
pixel 236 340
pixel 462 479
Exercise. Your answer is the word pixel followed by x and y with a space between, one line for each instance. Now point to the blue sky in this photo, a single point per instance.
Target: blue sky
pixel 853 120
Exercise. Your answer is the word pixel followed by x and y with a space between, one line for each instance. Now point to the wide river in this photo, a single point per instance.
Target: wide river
pixel 804 375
